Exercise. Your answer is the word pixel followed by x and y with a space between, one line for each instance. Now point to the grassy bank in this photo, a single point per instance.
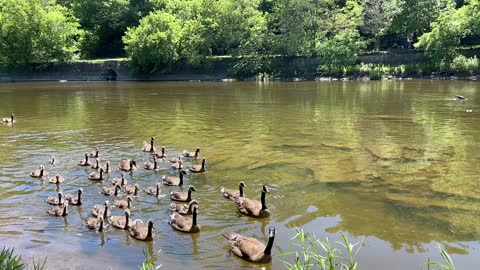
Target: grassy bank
pixel 220 68
pixel 461 67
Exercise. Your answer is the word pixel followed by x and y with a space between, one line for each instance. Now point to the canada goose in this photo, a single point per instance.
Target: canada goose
pixel 249 248
pixel 127 165
pixel 175 160
pixel 107 168
pixel 252 207
pixel 191 154
pixel 151 165
pixel 96 176
pixel 55 200
pixel 161 154
pixel 185 224
pixel 101 210
pixel 155 191
pixel 85 162
pixel 178 165
pixel 183 209
pixel 142 231
pixel 52 160
pixel 122 203
pixel 110 191
pixel 460 98
pixel 148 147
pixel 173 180
pixel 132 190
pixel 57 179
pixel 182 196
pixel 98 224
pixel 231 193
pixel 96 165
pixel 120 181
pixel 92 222
pixel 73 201
pixel 8 120
pixel 59 210
pixel 195 168
pixel 39 173
pixel 121 222
pixel 95 154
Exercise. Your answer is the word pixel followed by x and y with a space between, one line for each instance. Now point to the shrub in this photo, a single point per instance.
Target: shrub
pixel 464 65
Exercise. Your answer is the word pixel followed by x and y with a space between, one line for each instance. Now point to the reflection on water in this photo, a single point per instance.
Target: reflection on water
pixel 394 162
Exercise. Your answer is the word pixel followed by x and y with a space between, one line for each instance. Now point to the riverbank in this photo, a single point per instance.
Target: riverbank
pixel 379 66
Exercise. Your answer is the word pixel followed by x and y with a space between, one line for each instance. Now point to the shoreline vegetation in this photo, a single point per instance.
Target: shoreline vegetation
pixel 462 68
pixel 157 36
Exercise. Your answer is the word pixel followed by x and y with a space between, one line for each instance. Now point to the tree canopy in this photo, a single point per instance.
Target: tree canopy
pixel 154 34
pixel 34 32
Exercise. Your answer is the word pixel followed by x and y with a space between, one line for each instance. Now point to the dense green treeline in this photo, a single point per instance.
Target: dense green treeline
pixel 154 34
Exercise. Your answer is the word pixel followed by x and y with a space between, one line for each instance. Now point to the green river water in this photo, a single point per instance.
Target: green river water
pixel 392 164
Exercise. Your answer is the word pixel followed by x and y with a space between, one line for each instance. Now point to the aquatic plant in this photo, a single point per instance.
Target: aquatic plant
pixel 318 254
pixel 40 265
pixel 10 261
pixel 149 263
pixel 315 253
pixel 448 265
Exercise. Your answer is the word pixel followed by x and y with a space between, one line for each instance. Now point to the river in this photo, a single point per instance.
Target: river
pixel 394 164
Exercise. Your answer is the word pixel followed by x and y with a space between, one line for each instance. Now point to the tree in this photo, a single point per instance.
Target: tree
pixel 199 27
pixel 340 51
pixel 246 32
pixel 33 31
pixel 153 45
pixel 294 24
pixel 415 17
pixel 104 23
pixel 442 41
pixel 470 13
pixel 340 42
pixel 378 15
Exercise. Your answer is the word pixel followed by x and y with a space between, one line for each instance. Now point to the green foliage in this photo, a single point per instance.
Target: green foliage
pixel 149 263
pixel 154 34
pixel 339 43
pixel 199 28
pixel 321 254
pixel 10 261
pixel 442 42
pixel 254 39
pixel 379 14
pixel 415 17
pixel 464 65
pixel 153 45
pixel 448 265
pixel 105 22
pixel 340 51
pixel 294 23
pixel 180 30
pixel 33 31
pixel 471 12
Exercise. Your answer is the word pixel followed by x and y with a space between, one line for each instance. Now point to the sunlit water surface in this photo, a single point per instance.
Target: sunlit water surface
pixel 392 164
